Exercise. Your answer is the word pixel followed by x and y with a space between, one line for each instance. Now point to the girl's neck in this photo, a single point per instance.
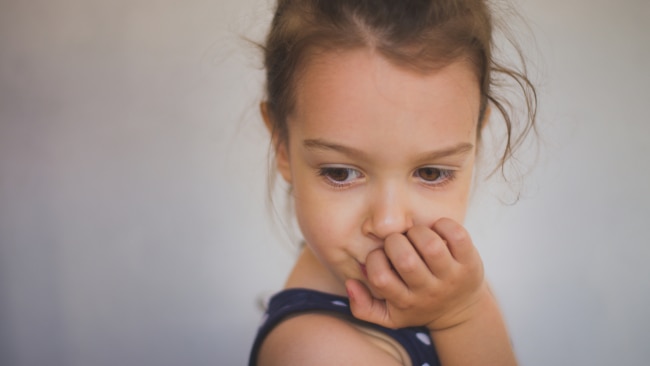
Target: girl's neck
pixel 308 272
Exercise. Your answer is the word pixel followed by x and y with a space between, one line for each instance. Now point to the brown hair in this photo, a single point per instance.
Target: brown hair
pixel 421 35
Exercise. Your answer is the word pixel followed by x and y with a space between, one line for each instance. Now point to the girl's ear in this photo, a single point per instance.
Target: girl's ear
pixel 280 148
pixel 264 111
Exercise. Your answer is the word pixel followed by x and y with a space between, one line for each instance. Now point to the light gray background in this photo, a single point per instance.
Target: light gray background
pixel 133 224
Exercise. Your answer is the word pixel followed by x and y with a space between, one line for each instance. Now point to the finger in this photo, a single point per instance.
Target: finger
pixel 364 306
pixel 382 279
pixel 408 264
pixel 433 249
pixel 458 240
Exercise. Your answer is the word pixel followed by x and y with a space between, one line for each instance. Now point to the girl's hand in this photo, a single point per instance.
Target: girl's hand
pixel 428 276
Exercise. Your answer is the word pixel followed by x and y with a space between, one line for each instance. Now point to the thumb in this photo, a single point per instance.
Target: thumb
pixel 364 306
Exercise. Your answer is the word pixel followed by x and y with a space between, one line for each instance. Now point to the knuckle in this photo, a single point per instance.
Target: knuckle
pixel 457 234
pixel 407 264
pixel 434 247
pixel 380 280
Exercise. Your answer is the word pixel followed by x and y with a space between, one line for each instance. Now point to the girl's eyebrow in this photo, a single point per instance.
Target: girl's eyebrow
pixel 458 149
pixel 320 144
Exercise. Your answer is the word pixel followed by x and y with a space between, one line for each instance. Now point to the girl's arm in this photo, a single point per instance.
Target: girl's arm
pixel 322 340
pixel 480 340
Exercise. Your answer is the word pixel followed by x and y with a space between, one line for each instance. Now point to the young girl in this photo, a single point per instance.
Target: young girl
pixel 375 109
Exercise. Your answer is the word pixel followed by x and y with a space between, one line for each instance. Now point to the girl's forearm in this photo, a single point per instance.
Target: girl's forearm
pixel 481 340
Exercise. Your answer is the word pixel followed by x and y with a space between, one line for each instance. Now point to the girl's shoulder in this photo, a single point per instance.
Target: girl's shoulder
pixel 315 338
pixel 304 326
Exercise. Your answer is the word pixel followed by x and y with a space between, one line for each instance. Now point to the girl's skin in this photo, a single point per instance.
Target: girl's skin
pixel 380 159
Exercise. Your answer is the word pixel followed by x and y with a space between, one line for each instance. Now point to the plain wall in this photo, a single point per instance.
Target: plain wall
pixel 134 228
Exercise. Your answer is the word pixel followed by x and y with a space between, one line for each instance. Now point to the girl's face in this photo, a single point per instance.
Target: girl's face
pixel 374 149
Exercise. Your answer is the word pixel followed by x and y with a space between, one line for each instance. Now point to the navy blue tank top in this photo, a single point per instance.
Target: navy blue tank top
pixel 415 340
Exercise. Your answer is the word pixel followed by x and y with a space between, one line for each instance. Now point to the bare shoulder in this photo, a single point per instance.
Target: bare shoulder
pixel 319 339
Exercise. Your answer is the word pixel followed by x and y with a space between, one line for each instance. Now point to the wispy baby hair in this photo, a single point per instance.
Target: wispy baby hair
pixel 420 35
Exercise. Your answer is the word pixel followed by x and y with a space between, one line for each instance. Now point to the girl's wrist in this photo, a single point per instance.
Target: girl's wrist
pixel 479 328
pixel 482 302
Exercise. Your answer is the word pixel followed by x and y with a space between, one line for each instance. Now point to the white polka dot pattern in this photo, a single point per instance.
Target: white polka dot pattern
pixel 424 338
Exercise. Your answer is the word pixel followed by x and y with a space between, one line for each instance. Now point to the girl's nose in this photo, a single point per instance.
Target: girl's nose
pixel 388 212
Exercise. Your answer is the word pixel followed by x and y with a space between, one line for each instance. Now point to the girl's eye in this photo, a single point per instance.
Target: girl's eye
pixel 434 176
pixel 340 176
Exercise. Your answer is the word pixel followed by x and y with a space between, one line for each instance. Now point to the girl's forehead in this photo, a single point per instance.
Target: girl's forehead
pixel 359 95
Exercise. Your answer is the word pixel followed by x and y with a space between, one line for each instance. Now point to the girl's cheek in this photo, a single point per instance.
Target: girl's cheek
pixel 453 207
